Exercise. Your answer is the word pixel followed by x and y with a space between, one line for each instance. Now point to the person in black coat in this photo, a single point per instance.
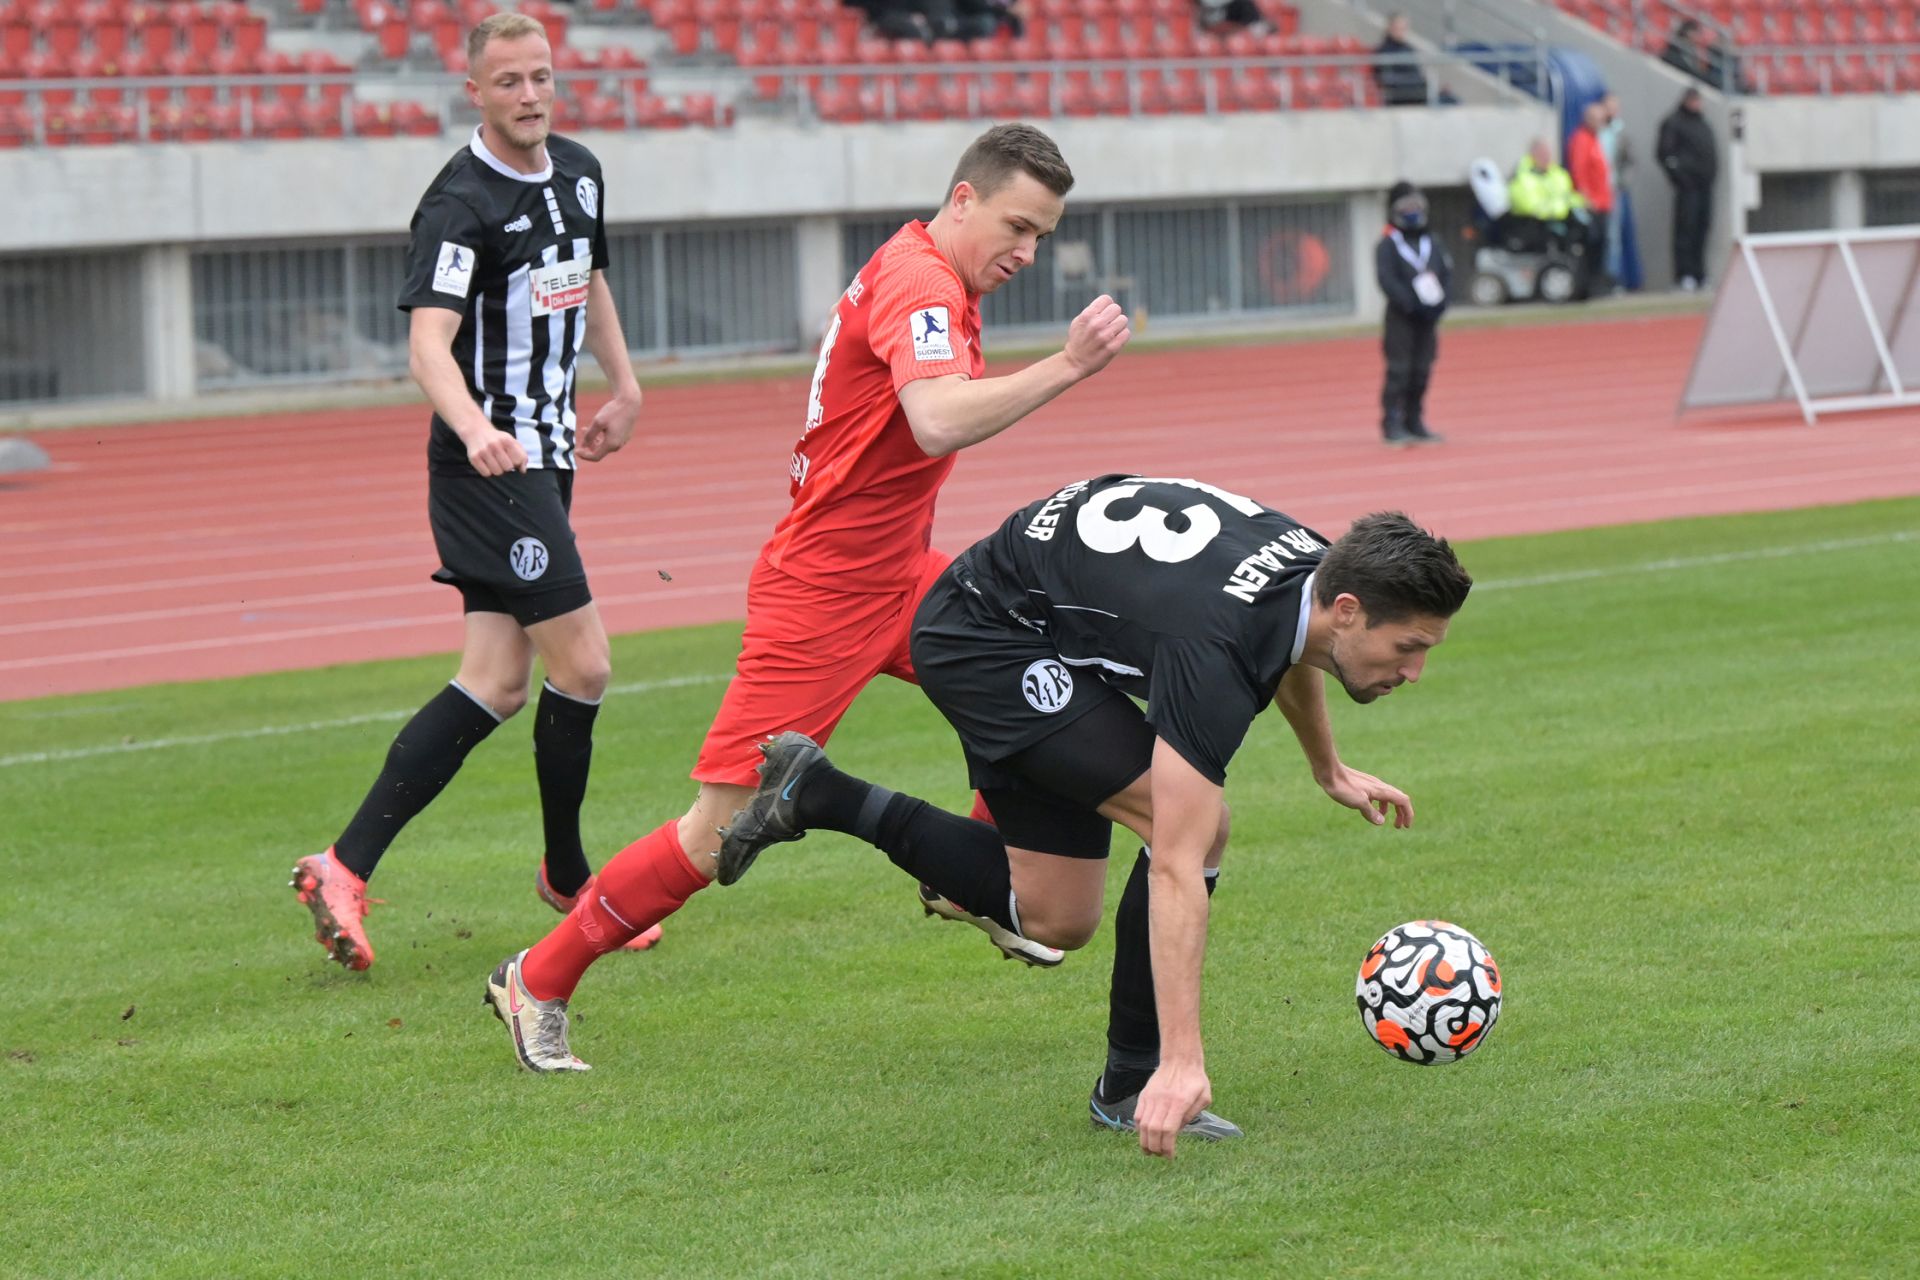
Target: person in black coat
pixel 1415 273
pixel 1691 160
pixel 1401 82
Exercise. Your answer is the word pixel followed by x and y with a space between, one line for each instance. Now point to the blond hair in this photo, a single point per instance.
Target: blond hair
pixel 501 26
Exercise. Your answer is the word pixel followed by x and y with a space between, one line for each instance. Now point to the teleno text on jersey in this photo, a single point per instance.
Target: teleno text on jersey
pixel 1258 569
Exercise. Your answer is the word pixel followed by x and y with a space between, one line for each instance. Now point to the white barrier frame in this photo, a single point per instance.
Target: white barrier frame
pixel 1747 251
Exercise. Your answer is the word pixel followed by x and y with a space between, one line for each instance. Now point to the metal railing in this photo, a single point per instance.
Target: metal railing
pixel 1758 67
pixel 142 108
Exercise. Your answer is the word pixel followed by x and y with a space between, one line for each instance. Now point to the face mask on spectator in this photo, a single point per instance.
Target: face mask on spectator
pixel 1409 214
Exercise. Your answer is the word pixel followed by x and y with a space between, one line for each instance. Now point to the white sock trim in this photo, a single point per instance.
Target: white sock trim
pixel 1211 873
pixel 562 693
pixel 479 702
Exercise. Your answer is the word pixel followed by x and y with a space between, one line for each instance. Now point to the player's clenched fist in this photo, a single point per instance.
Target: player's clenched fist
pixel 496 453
pixel 1096 335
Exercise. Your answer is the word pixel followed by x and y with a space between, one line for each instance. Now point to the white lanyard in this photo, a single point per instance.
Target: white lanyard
pixel 1426 249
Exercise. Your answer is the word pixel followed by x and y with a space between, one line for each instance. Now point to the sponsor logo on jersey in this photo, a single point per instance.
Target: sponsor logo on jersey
pixel 589 197
pixel 855 289
pixel 560 287
pixel 522 223
pixel 1257 570
pixel 1047 684
pixel 931 332
pixel 453 273
pixel 528 559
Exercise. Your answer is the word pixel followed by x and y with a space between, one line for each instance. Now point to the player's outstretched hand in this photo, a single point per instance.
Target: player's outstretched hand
pixel 496 453
pixel 1372 797
pixel 1176 1093
pixel 610 429
pixel 1096 336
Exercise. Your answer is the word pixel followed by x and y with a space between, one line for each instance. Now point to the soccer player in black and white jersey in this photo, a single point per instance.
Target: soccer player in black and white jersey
pixel 505 286
pixel 1209 607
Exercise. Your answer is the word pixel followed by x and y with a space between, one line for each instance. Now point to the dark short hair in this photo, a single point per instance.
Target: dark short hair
pixel 1395 568
pixel 1006 149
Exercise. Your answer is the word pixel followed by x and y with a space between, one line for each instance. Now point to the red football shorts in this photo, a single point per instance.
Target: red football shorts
pixel 807 653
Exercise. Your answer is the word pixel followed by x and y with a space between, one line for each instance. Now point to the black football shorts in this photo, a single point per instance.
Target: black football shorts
pixel 506 542
pixel 1045 742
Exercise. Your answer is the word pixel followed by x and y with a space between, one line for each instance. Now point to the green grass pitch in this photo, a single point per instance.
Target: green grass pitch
pixel 1666 772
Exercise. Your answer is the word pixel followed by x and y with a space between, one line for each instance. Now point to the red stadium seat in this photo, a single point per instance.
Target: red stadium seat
pixel 655 112
pixel 320 119
pixel 960 98
pixel 706 110
pixel 16 126
pixel 415 120
pixel 373 120
pixel 393 39
pixel 16 37
pixel 552 17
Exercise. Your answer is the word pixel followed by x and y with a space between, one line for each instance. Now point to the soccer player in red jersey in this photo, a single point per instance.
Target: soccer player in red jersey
pixel 897 392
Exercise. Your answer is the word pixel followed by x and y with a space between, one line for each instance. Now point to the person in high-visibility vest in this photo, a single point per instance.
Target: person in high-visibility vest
pixel 1542 189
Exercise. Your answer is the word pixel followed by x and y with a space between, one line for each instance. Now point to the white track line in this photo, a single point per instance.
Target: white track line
pixel 680 682
pixel 1697 562
pixel 311 726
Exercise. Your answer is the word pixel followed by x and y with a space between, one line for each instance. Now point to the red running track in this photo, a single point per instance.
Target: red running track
pixel 206 549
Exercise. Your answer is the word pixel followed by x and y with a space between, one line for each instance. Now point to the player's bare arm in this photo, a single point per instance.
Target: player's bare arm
pixel 430 338
pixel 613 423
pixel 1302 699
pixel 950 413
pixel 1187 817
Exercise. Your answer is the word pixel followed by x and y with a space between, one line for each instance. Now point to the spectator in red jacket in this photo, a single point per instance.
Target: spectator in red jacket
pixel 1593 180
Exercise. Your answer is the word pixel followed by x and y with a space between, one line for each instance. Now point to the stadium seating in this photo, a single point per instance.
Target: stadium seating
pixel 816 55
pixel 1787 46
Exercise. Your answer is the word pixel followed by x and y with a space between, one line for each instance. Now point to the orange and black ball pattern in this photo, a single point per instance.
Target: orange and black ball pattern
pixel 1428 992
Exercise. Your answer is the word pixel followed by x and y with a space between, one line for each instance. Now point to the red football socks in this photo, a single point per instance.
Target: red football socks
pixel 645 883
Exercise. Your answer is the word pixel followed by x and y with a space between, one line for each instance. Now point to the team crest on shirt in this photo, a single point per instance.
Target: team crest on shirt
pixel 1047 684
pixel 932 334
pixel 528 559
pixel 589 196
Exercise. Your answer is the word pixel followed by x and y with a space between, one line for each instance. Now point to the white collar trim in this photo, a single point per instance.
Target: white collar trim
pixel 500 167
pixel 1300 631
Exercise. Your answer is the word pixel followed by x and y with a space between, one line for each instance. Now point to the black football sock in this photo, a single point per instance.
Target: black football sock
pixel 963 860
pixel 1133 1019
pixel 422 760
pixel 562 754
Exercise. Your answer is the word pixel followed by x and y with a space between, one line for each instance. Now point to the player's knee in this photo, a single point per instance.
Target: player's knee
pixel 1219 850
pixel 585 674
pixel 497 696
pixel 1068 929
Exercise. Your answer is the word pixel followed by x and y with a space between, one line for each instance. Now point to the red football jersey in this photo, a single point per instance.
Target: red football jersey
pixel 863 491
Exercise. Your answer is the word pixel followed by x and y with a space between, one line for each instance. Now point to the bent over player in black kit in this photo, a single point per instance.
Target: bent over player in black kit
pixel 1207 605
pixel 505 286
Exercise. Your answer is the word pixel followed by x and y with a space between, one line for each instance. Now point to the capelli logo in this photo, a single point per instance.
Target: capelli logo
pixel 522 223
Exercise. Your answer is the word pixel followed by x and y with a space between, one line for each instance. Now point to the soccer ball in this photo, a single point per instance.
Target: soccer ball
pixel 1428 992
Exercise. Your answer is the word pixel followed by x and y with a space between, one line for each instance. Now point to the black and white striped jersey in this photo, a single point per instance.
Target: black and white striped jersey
pixel 513 253
pixel 1182 594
